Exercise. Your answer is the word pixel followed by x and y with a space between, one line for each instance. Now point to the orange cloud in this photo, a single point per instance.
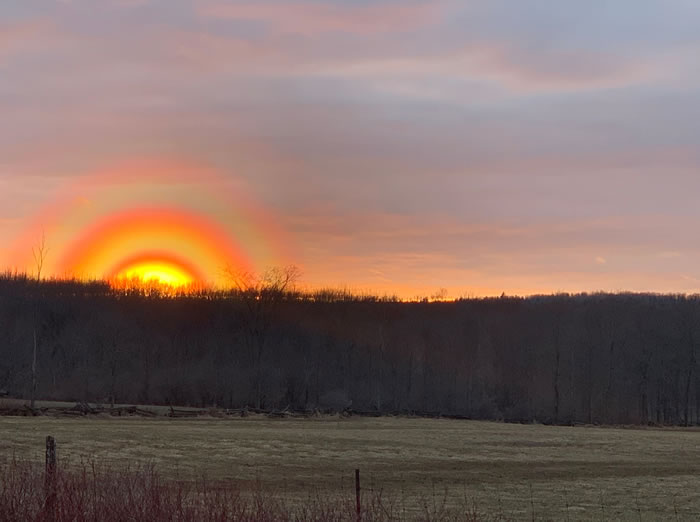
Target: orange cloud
pixel 410 255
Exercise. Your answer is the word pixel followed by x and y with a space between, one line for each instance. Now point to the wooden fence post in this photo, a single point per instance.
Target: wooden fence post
pixel 358 503
pixel 50 477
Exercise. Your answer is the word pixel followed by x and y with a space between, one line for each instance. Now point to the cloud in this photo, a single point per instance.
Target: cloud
pixel 391 47
pixel 455 76
pixel 410 254
pixel 451 69
pixel 23 35
pixel 316 18
pixel 455 67
pixel 131 3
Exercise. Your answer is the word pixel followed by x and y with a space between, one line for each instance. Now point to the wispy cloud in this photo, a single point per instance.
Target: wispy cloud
pixel 23 35
pixel 316 18
pixel 452 75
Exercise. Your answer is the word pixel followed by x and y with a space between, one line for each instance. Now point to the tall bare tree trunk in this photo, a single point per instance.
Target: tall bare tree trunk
pixel 258 375
pixel 589 383
pixel 611 374
pixel 557 358
pixel 409 380
pixel 33 396
pixel 691 367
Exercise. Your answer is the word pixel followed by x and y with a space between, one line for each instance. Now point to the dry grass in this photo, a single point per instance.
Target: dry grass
pixel 513 471
pixel 88 493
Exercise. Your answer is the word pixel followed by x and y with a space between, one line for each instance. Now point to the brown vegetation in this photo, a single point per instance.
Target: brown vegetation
pixel 89 493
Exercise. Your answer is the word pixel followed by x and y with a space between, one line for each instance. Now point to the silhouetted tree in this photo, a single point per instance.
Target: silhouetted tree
pixel 261 297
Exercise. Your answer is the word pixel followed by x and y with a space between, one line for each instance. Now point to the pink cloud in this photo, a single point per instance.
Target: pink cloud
pixel 314 18
pixel 22 36
pixel 211 52
pixel 434 75
pixel 384 65
pixel 560 70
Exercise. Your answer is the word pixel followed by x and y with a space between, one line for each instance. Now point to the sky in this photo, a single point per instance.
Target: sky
pixel 398 147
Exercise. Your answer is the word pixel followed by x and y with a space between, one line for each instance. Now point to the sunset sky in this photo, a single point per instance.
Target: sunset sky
pixel 398 146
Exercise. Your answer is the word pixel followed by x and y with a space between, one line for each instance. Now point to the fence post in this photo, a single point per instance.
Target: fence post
pixel 358 503
pixel 50 477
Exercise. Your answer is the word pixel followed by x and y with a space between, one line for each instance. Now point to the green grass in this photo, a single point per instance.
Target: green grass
pixel 506 469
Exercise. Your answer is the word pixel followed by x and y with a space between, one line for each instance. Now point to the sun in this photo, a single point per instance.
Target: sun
pixel 157 272
pixel 156 269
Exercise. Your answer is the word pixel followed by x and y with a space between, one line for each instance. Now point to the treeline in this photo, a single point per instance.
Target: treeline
pixel 598 358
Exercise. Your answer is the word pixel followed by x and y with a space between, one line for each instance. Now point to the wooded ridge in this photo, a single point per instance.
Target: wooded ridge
pixel 592 358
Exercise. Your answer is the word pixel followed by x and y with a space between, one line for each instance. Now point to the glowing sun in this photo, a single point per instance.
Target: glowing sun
pixel 157 268
pixel 158 273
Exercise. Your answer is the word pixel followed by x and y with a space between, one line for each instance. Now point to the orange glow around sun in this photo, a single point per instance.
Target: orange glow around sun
pixel 175 225
pixel 161 269
pixel 121 245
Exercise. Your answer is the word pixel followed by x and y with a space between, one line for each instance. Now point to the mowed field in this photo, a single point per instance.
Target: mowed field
pixel 509 470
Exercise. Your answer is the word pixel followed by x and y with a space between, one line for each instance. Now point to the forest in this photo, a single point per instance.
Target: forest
pixel 564 359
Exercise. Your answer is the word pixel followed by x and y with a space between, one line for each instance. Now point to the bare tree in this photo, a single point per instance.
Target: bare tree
pixel 557 364
pixel 39 252
pixel 261 296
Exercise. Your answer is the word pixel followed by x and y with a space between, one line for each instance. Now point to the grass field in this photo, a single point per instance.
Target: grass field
pixel 516 471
